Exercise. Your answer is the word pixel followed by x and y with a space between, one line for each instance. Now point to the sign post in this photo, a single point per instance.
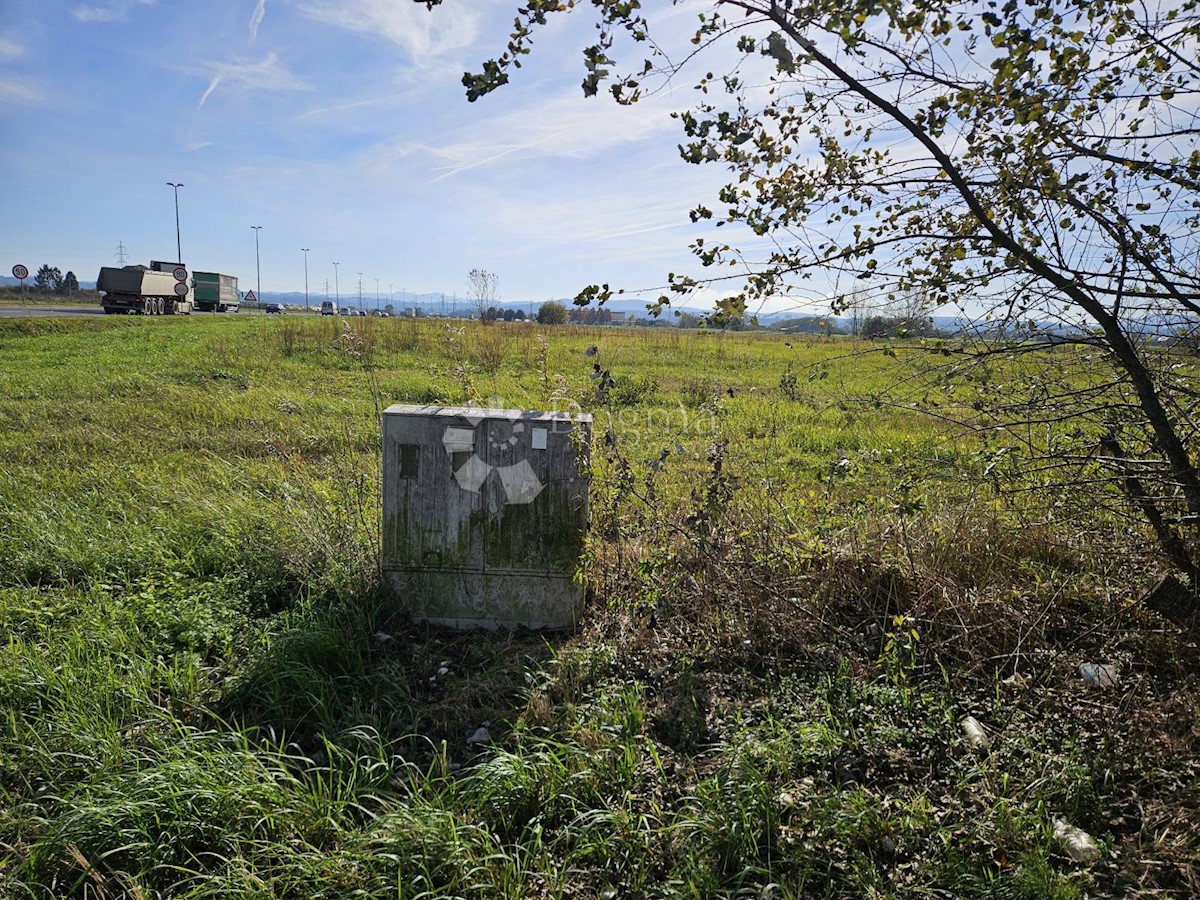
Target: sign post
pixel 21 273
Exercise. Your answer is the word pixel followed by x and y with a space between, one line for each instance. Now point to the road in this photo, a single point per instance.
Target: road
pixel 22 312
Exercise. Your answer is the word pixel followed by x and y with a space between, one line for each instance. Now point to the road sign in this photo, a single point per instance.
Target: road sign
pixel 20 272
pixel 180 273
pixel 181 289
pixel 250 298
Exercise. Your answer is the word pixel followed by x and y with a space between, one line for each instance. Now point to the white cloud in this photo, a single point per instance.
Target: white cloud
pixel 568 125
pixel 10 50
pixel 424 35
pixel 115 11
pixel 15 92
pixel 267 75
pixel 255 20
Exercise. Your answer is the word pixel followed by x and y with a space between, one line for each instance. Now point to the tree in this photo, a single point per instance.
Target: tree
pixel 70 284
pixel 552 313
pixel 48 279
pixel 1030 162
pixel 481 292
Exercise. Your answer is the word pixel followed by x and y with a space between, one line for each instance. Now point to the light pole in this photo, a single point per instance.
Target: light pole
pixel 337 293
pixel 391 301
pixel 304 250
pixel 377 293
pixel 178 252
pixel 257 264
pixel 360 290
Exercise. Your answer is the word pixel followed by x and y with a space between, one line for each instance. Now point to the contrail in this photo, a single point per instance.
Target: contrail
pixel 256 19
pixel 212 86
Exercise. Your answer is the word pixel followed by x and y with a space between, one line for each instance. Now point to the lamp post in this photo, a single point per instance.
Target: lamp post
pixel 337 292
pixel 304 250
pixel 178 252
pixel 377 293
pixel 360 290
pixel 257 263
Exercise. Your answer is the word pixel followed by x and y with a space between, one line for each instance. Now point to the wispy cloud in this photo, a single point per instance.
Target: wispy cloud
pixel 267 75
pixel 115 11
pixel 568 125
pixel 255 20
pixel 15 92
pixel 10 50
pixel 343 107
pixel 422 34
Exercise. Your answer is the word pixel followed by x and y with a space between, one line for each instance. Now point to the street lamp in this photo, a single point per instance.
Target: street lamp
pixel 304 250
pixel 257 263
pixel 377 293
pixel 337 294
pixel 178 252
pixel 360 290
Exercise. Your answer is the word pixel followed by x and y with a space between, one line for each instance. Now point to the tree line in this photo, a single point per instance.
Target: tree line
pixel 50 280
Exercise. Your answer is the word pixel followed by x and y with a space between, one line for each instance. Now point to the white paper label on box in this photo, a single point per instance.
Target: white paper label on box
pixel 539 439
pixel 459 439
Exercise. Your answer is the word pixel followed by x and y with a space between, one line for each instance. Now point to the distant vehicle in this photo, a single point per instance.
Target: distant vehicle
pixel 153 290
pixel 274 309
pixel 352 311
pixel 215 292
pixel 382 313
pixel 328 309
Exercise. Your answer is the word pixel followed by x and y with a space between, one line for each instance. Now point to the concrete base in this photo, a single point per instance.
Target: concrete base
pixel 467 600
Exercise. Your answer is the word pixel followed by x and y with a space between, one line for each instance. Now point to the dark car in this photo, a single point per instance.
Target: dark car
pixel 274 308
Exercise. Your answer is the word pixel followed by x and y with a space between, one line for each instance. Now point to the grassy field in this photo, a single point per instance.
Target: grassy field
pixel 798 587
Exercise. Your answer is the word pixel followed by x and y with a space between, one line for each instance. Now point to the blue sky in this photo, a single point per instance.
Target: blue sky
pixel 338 125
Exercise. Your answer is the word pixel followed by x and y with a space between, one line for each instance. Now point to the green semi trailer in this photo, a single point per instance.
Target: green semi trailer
pixel 215 292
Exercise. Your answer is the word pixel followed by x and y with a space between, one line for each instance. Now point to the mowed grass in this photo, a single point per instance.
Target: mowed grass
pixel 798 586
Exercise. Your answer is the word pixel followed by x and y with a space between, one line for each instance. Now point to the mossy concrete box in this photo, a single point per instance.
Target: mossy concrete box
pixel 484 513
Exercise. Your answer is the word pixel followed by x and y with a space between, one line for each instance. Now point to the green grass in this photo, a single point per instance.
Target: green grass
pixel 782 634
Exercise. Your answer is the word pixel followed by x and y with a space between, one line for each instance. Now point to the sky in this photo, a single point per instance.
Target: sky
pixel 340 126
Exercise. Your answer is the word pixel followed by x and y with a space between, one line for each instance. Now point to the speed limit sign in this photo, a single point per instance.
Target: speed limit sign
pixel 20 272
pixel 180 273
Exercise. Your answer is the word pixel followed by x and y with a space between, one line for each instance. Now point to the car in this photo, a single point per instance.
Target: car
pixel 381 313
pixel 274 309
pixel 328 308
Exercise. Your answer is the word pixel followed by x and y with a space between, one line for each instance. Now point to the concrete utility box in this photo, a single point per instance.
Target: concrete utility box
pixel 484 513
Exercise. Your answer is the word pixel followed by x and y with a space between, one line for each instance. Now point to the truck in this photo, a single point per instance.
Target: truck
pixel 216 292
pixel 155 290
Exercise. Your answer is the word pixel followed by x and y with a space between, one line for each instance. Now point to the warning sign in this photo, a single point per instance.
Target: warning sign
pixel 250 298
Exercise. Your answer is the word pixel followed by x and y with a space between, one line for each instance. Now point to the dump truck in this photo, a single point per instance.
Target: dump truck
pixel 155 290
pixel 215 292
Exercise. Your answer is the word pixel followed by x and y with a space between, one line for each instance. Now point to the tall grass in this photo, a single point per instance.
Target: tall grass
pixel 794 597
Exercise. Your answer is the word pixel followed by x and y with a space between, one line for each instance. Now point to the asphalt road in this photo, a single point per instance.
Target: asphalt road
pixel 30 312
pixel 23 312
